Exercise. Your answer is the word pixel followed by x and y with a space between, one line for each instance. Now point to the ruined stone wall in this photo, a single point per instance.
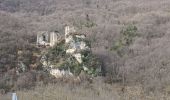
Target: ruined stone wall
pixel 71 56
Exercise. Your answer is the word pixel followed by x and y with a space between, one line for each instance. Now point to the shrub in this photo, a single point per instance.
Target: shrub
pixel 127 36
pixel 7 83
pixel 26 80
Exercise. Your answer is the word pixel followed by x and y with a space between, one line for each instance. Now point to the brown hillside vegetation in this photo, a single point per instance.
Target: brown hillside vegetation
pixel 130 37
pixel 95 91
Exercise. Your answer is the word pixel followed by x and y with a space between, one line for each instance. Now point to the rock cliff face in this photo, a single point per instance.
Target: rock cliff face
pixel 70 56
pixel 76 44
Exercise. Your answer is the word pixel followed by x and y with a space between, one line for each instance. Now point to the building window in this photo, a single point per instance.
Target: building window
pixel 44 38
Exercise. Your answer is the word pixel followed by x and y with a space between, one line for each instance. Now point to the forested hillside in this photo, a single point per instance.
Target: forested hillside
pixel 130 37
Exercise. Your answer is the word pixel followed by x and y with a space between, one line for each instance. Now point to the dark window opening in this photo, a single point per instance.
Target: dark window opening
pixel 44 38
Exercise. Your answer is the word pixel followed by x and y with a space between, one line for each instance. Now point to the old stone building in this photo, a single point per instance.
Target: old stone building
pixel 70 56
pixel 47 38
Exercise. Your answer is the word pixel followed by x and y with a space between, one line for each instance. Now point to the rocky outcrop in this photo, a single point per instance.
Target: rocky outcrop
pixel 70 56
pixel 76 44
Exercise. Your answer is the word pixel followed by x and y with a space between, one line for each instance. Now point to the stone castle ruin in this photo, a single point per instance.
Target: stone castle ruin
pixel 63 55
pixel 69 57
pixel 47 38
